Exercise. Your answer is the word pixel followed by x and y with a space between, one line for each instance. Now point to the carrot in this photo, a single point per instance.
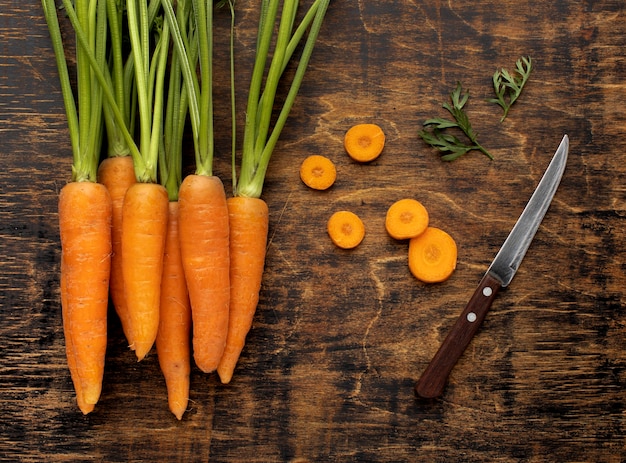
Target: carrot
pixel 364 142
pixel 346 229
pixel 318 172
pixel 203 219
pixel 85 208
pixel 204 234
pixel 85 229
pixel 248 213
pixel 173 337
pixel 406 218
pixel 249 221
pixel 144 225
pixel 145 208
pixel 432 255
pixel 117 174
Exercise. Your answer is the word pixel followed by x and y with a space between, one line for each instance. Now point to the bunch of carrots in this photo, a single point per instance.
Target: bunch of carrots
pixel 181 260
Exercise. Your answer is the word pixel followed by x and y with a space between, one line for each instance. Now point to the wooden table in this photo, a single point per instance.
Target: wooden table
pixel 340 337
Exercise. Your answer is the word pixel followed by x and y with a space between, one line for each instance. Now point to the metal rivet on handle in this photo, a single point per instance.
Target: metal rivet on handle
pixel 471 317
pixel 487 291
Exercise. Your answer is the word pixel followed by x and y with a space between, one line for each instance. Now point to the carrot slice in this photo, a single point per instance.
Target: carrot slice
pixel 346 229
pixel 364 142
pixel 406 218
pixel 432 255
pixel 318 172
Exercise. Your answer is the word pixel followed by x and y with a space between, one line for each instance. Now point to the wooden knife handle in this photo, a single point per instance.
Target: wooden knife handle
pixel 434 378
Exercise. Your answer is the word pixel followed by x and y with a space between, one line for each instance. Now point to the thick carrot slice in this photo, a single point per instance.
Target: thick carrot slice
pixel 432 255
pixel 364 142
pixel 406 218
pixel 85 230
pixel 249 219
pixel 173 338
pixel 346 229
pixel 204 235
pixel 318 172
pixel 144 225
pixel 117 174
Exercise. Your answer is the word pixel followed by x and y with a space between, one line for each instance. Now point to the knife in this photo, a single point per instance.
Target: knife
pixel 499 274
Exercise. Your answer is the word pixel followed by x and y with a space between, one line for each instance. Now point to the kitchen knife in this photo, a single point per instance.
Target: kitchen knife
pixel 498 276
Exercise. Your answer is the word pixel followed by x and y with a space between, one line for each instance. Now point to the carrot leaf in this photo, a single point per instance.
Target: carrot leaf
pixel 508 86
pixel 449 145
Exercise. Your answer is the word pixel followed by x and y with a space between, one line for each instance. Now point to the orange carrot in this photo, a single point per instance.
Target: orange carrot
pixel 346 229
pixel 118 174
pixel 318 172
pixel 204 236
pixel 144 225
pixel 248 221
pixel 432 255
pixel 406 218
pixel 247 251
pixel 85 229
pixel 173 337
pixel 364 142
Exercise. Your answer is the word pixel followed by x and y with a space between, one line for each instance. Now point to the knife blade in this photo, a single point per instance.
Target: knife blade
pixel 499 275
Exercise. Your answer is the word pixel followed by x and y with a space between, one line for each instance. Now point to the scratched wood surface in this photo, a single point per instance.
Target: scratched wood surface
pixel 340 337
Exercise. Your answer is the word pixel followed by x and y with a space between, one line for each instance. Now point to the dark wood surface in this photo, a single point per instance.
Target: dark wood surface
pixel 340 337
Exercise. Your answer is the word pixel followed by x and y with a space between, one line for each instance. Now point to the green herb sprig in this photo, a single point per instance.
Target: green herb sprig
pixel 451 147
pixel 508 86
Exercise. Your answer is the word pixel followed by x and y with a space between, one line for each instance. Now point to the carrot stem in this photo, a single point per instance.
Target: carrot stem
pixel 98 73
pixel 149 77
pixel 259 140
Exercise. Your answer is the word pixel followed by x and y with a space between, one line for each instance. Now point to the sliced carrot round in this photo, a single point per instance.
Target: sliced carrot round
pixel 346 229
pixel 406 218
pixel 432 255
pixel 364 142
pixel 318 172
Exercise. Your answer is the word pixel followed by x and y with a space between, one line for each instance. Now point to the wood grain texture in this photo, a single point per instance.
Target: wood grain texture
pixel 340 337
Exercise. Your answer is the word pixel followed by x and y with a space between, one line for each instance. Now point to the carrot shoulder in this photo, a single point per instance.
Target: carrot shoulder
pixel 85 230
pixel 173 337
pixel 248 221
pixel 204 236
pixel 144 225
pixel 117 174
